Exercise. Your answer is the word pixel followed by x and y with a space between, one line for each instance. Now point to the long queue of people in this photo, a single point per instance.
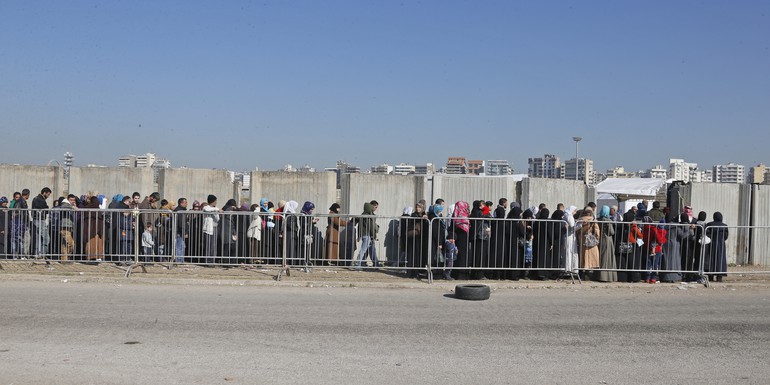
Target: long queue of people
pixel 459 241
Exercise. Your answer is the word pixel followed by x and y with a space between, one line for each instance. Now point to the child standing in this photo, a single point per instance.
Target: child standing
pixel 148 243
pixel 450 255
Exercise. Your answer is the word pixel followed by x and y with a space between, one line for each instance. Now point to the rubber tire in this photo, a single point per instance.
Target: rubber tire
pixel 472 292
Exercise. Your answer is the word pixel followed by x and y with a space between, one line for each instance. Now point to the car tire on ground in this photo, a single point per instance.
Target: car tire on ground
pixel 472 292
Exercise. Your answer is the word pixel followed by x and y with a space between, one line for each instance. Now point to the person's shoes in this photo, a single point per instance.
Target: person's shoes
pixel 653 280
pixel 647 280
pixel 448 278
pixel 719 278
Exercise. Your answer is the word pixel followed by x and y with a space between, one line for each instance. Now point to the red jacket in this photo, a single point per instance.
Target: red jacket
pixel 653 236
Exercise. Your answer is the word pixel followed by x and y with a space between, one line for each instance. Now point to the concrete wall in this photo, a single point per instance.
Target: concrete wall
pixel 16 178
pixel 733 201
pixel 760 240
pixel 453 188
pixel 195 184
pixel 319 188
pixel 393 192
pixel 554 191
pixel 110 180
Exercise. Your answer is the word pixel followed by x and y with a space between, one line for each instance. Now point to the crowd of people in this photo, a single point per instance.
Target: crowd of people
pixel 480 240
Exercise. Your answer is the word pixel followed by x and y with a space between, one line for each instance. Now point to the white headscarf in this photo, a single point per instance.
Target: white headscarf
pixel 291 207
pixel 408 210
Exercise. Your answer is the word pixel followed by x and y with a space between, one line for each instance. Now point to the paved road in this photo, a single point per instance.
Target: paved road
pixel 109 333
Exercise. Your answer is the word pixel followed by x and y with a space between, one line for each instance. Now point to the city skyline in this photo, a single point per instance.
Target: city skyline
pixel 241 85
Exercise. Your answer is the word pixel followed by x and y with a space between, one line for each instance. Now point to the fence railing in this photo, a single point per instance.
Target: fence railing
pixel 460 248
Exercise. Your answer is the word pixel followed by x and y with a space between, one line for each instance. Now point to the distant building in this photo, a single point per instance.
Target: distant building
pixel 456 165
pixel 729 173
pixel 403 169
pixel 382 169
pixel 656 172
pixel 582 169
pixel 427 169
pixel 701 176
pixel 619 172
pixel 678 169
pixel 549 166
pixel 498 167
pixel 475 167
pixel 758 174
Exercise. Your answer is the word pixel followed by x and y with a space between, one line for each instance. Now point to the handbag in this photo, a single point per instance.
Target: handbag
pixel 705 240
pixel 625 247
pixel 254 228
pixel 590 239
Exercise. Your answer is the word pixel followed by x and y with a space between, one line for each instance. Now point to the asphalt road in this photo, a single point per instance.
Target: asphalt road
pixel 110 333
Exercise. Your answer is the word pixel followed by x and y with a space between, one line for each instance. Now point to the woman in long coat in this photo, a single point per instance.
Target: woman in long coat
pixel 516 231
pixel 672 249
pixel 716 249
pixel 606 247
pixel 93 230
pixel 541 245
pixel 461 227
pixel 333 226
pixel 589 256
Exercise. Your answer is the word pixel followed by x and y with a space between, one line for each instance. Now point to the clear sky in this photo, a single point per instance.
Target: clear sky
pixel 238 85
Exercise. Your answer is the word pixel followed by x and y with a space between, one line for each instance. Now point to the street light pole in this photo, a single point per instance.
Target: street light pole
pixel 577 140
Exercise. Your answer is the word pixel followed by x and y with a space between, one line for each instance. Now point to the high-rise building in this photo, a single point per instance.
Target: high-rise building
pixel 729 173
pixel 678 169
pixel 476 167
pixel 382 169
pixel 127 161
pixel 549 166
pixel 758 174
pixel 403 169
pixel 427 169
pixel 456 165
pixel 700 176
pixel 498 167
pixel 620 172
pixel 582 169
pixel 656 172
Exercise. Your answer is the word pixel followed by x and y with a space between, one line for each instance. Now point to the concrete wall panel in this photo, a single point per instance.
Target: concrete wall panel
pixel 393 192
pixel 18 177
pixel 555 191
pixel 110 180
pixel 453 188
pixel 195 184
pixel 733 201
pixel 760 241
pixel 319 188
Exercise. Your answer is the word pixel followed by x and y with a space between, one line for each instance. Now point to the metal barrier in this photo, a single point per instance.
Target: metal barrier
pixel 479 248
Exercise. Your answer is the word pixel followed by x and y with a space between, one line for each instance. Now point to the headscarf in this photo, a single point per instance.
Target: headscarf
pixel 485 211
pixel 461 216
pixel 307 207
pixel 558 215
pixel 263 203
pixel 335 208
pixel 533 210
pixel 605 212
pixel 450 210
pixel 642 210
pixel 683 218
pixel 290 207
pixel 116 198
pixel 437 210
pixel 701 216
pixel 543 214
pixel 718 217
pixel 245 207
pixel 515 204
pixel 570 210
pixel 282 203
pixel 527 214
pixel 229 205
pixel 688 210
pixel 515 213
pixel 408 210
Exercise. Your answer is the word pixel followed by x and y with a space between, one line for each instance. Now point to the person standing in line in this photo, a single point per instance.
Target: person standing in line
pixel 3 226
pixel 333 226
pixel 148 243
pixel 367 234
pixel 716 248
pixel 210 221
pixel 39 234
pixel 607 262
pixel 672 249
pixel 182 230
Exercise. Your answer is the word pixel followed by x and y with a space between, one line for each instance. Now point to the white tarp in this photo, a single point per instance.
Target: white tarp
pixel 631 187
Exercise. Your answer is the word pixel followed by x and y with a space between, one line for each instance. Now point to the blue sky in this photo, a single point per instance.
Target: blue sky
pixel 239 85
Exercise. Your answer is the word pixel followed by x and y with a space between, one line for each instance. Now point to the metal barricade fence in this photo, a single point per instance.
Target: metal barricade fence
pixel 637 251
pixel 499 248
pixel 486 247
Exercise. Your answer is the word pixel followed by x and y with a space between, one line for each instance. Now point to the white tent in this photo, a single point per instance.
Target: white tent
pixel 631 188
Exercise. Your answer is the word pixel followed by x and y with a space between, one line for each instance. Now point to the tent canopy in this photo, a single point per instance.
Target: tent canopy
pixel 631 188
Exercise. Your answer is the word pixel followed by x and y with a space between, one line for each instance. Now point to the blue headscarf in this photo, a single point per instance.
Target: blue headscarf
pixel 437 209
pixel 263 203
pixel 307 207
pixel 118 198
pixel 605 212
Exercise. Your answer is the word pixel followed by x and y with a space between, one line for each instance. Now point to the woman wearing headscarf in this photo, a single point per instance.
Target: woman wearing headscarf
pixel 307 234
pixel 571 253
pixel 481 239
pixel 243 222
pixel 461 227
pixel 403 226
pixel 716 248
pixel 254 234
pixel 333 226
pixel 417 237
pixel 515 234
pixel 290 232
pixel 589 254
pixel 677 233
pixel 438 233
pixel 559 230
pixel 607 262
pixel 228 234
pixel 93 230
pixel 692 246
pixel 542 243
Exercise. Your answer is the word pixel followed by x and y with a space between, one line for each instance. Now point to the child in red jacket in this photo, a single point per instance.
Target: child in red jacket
pixel 654 238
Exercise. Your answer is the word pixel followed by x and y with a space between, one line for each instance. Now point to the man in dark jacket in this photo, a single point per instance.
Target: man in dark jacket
pixel 367 232
pixel 182 229
pixel 39 234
